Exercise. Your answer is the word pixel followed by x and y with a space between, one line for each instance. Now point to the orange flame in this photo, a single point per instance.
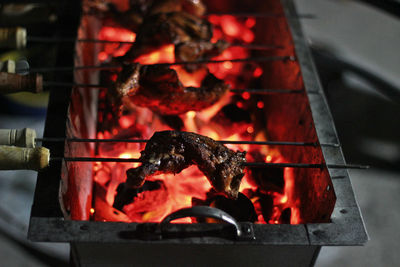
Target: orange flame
pixel 163 55
pixel 114 49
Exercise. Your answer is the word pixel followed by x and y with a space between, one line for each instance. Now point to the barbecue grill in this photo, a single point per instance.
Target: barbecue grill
pixel 68 206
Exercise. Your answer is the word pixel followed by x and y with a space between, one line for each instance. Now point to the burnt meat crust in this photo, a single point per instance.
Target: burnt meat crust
pixel 168 28
pixel 159 89
pixel 173 151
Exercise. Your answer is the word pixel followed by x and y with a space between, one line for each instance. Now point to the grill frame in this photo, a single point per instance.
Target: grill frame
pixel 346 227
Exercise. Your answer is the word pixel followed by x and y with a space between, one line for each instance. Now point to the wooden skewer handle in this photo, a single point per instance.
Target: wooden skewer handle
pixel 14 83
pixel 7 66
pixel 21 158
pixel 14 37
pixel 21 138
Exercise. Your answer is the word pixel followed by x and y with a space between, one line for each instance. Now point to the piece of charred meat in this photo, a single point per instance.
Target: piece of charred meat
pixel 111 14
pixel 127 82
pixel 173 151
pixel 191 51
pixel 168 28
pixel 139 9
pixel 125 85
pixel 159 89
pixel 194 7
pixel 196 51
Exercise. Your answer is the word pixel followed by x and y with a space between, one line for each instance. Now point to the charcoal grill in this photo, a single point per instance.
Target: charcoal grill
pixel 97 243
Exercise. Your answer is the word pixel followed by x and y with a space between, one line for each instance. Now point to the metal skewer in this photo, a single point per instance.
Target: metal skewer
pixel 262 15
pixel 68 85
pixel 27 138
pixel 255 15
pixel 246 164
pixel 304 165
pixel 111 67
pixel 261 91
pixel 89 140
pixel 38 39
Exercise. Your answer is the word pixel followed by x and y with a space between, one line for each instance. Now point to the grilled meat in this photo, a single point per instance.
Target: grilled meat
pixel 194 7
pixel 111 14
pixel 191 51
pixel 173 151
pixel 139 9
pixel 127 82
pixel 175 22
pixel 159 89
pixel 199 50
pixel 168 28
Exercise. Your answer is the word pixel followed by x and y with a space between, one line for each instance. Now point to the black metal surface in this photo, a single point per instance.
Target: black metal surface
pixel 46 202
pixel 342 230
pixel 193 255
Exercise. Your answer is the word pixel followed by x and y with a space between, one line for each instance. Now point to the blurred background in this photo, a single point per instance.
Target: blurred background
pixel 355 46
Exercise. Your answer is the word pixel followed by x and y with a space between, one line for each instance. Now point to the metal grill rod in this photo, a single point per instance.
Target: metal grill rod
pixel 89 140
pixel 110 67
pixel 261 91
pixel 255 15
pixel 262 15
pixel 39 39
pixel 246 164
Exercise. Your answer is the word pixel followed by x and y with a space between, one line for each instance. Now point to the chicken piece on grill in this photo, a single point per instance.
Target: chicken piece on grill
pixel 159 89
pixel 111 14
pixel 191 51
pixel 139 9
pixel 199 50
pixel 194 7
pixel 168 28
pixel 173 151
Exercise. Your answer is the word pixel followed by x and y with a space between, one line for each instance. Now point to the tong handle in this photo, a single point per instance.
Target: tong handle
pixel 21 158
pixel 14 83
pixel 18 137
pixel 201 211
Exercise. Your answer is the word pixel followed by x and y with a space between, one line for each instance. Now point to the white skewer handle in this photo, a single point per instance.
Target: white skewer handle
pixel 14 37
pixel 21 138
pixel 20 158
